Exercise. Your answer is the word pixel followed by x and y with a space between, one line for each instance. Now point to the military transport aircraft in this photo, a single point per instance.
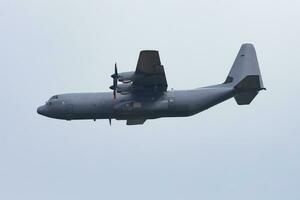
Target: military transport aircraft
pixel 143 94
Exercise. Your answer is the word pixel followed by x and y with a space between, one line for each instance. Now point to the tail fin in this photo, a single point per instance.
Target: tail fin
pixel 245 75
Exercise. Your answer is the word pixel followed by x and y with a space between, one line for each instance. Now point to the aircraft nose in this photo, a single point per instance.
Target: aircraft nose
pixel 41 110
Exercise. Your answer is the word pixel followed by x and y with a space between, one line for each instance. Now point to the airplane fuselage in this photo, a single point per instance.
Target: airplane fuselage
pixel 173 103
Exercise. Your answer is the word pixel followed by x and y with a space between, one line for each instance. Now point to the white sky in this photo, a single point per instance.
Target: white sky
pixel 227 152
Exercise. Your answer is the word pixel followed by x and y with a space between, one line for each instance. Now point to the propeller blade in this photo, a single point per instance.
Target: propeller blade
pixel 115 77
pixel 115 87
pixel 116 69
pixel 110 121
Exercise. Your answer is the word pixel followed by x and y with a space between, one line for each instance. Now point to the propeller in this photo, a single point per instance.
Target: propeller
pixel 115 77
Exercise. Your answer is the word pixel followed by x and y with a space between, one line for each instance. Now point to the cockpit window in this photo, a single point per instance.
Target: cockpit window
pixel 54 97
pixel 52 100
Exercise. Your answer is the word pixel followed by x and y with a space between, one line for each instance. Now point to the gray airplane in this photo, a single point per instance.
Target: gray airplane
pixel 142 94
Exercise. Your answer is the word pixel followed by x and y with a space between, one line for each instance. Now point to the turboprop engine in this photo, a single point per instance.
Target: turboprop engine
pixel 124 88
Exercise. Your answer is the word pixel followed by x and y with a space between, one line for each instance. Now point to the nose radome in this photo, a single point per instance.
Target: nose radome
pixel 41 110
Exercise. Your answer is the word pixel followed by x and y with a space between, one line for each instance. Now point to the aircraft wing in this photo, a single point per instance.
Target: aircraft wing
pixel 151 71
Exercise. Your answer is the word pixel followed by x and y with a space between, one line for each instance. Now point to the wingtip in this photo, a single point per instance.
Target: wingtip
pixel 148 51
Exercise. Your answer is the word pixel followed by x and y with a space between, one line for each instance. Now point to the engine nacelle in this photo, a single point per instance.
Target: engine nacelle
pixel 124 88
pixel 126 77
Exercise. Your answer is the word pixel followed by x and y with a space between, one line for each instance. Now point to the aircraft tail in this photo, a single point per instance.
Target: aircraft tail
pixel 245 75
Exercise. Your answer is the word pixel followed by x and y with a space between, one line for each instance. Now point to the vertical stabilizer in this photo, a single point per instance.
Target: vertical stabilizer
pixel 245 75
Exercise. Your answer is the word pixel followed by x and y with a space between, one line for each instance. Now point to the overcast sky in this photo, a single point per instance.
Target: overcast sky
pixel 228 152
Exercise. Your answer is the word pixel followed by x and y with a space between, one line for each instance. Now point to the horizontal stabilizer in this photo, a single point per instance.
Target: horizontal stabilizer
pixel 251 82
pixel 247 89
pixel 245 98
